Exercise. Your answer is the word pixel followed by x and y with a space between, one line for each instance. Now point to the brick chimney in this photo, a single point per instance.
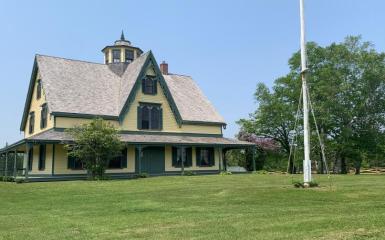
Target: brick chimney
pixel 164 68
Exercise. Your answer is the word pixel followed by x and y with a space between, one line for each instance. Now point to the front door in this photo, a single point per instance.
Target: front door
pixel 152 161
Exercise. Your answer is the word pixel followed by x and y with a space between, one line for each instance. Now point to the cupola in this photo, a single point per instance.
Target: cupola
pixel 121 52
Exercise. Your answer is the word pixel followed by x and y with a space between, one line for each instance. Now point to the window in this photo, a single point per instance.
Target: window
pixel 137 54
pixel 119 161
pixel 30 159
pixel 74 163
pixel 115 55
pixel 149 85
pixel 205 157
pixel 150 117
pixel 38 89
pixel 178 155
pixel 31 126
pixel 129 55
pixel 42 152
pixel 43 118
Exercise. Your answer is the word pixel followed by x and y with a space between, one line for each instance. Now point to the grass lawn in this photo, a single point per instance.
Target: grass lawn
pixel 196 207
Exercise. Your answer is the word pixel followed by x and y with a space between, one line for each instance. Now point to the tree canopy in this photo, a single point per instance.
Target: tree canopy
pixel 95 144
pixel 347 91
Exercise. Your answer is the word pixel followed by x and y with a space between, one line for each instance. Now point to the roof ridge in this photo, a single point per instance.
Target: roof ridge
pixel 69 59
pixel 177 74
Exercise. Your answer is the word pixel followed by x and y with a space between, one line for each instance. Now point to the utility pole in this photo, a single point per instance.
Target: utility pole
pixel 306 127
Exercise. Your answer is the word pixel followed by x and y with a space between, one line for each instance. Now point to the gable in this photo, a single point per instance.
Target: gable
pixel 34 104
pixel 149 67
pixel 129 119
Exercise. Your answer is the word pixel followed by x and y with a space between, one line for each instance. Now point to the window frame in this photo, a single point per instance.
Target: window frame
pixel 122 158
pixel 43 116
pixel 30 159
pixel 42 157
pixel 128 60
pixel 113 55
pixel 200 152
pixel 31 125
pixel 176 152
pixel 147 88
pixel 77 163
pixel 38 89
pixel 149 107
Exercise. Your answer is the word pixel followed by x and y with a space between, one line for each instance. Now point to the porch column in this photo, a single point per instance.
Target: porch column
pixel 26 160
pixel 140 153
pixel 220 149
pixel 15 164
pixel 183 152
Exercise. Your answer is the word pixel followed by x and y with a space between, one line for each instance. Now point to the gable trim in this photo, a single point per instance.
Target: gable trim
pixel 28 99
pixel 162 82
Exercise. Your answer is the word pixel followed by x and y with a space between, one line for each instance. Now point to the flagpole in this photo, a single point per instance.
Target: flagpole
pixel 306 127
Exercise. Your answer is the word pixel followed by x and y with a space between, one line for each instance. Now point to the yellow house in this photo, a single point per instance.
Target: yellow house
pixel 166 122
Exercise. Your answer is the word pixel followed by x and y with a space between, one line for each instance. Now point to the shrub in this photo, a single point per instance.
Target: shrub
pixel 20 180
pixel 189 173
pixel 311 184
pixel 141 175
pixel 225 173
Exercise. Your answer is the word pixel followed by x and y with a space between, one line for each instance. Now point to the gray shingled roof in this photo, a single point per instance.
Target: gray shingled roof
pixel 60 136
pixel 73 86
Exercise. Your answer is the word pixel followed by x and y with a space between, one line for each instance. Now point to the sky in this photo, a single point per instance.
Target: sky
pixel 226 46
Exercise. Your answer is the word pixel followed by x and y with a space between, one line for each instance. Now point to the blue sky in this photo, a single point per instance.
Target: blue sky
pixel 226 46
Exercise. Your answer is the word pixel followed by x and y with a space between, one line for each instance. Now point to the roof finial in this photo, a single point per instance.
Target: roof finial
pixel 122 36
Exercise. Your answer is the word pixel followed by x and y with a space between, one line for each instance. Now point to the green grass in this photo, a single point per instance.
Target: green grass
pixel 197 207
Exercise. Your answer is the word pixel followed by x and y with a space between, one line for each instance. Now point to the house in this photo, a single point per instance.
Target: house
pixel 166 122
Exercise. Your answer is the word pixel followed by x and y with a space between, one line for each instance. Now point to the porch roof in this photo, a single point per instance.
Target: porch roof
pixel 60 136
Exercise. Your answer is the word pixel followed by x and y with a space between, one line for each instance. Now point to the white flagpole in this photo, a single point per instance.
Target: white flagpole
pixel 306 130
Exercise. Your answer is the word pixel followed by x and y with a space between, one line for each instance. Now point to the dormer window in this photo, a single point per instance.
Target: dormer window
pixel 38 89
pixel 43 117
pixel 129 56
pixel 116 55
pixel 150 116
pixel 31 126
pixel 149 85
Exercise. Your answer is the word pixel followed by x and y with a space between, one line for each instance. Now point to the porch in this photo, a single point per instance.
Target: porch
pixel 44 158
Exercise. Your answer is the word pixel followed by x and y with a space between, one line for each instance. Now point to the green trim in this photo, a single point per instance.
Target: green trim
pixel 29 95
pixel 149 132
pixel 187 122
pixel 10 147
pixel 121 46
pixel 138 84
pixel 82 115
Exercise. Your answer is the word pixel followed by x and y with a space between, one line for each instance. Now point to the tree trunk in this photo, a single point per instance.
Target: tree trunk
pixel 344 169
pixel 291 168
pixel 321 165
pixel 358 171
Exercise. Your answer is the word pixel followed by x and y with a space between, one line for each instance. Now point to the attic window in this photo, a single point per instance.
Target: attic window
pixel 115 55
pixel 38 89
pixel 43 117
pixel 149 85
pixel 129 56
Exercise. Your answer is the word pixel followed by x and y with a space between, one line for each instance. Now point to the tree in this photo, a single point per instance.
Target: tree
pixel 95 144
pixel 347 90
